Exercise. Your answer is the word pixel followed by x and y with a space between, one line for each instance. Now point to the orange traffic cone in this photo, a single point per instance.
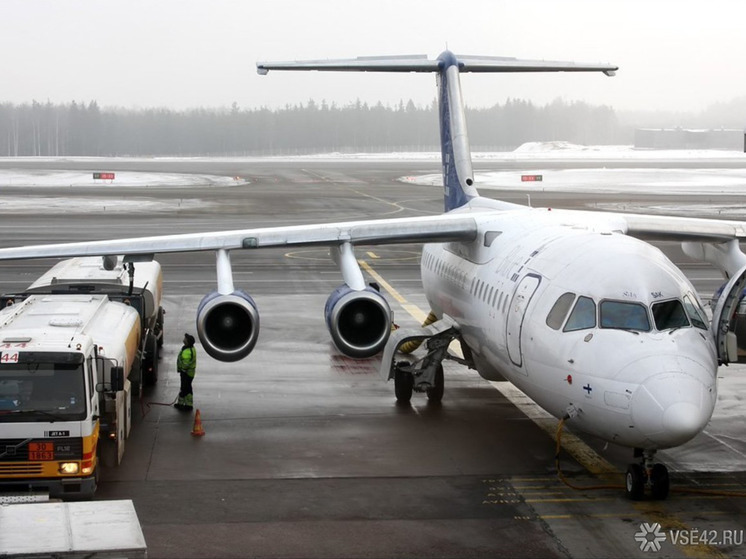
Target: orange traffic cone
pixel 197 430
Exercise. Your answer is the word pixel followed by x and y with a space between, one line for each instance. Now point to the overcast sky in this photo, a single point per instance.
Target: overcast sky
pixel 672 54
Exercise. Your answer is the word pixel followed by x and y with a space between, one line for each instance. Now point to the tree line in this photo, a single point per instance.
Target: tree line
pixel 86 129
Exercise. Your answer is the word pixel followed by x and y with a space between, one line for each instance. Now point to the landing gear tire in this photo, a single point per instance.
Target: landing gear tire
pixel 635 482
pixel 435 394
pixel 659 482
pixel 403 385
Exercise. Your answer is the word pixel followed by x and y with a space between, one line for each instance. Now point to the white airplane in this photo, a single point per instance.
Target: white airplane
pixel 573 307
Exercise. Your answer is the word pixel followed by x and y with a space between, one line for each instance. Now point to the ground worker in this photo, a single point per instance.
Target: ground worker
pixel 186 364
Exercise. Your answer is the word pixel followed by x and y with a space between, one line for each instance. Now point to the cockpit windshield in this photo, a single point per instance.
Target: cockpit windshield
pixel 624 316
pixel 669 314
pixel 694 311
pixel 582 316
pixel 42 390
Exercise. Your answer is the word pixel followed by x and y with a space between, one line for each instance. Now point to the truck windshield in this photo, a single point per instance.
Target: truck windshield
pixel 42 390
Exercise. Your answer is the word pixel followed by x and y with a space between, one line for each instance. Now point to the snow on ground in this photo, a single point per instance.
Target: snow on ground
pixel 528 151
pixel 15 181
pixel 29 178
pixel 615 181
pixel 55 205
pixel 666 180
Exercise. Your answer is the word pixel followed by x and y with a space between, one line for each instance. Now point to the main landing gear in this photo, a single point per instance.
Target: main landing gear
pixel 423 374
pixel 404 382
pixel 647 475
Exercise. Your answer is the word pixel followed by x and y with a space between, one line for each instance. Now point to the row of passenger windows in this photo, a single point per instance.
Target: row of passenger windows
pixel 480 289
pixel 623 315
pixel 489 294
pixel 447 271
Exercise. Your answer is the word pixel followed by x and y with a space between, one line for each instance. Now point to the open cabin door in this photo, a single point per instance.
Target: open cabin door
pixel 723 318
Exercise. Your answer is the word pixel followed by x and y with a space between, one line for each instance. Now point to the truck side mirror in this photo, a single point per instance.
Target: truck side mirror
pixel 117 379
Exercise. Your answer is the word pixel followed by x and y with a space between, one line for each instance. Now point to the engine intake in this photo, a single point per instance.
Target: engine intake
pixel 358 321
pixel 228 325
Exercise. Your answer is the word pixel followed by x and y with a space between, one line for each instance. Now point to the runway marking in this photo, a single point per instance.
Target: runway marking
pixel 583 454
pixel 397 207
pixel 411 308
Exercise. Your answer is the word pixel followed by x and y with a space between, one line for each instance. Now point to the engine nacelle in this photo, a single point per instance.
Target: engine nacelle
pixel 358 321
pixel 228 325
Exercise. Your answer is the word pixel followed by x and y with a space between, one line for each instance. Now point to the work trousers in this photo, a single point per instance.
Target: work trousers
pixel 186 397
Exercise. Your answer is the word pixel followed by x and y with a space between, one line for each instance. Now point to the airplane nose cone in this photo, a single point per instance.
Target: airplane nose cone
pixel 683 420
pixel 669 409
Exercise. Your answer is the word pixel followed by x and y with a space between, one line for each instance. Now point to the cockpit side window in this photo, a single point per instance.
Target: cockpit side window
pixel 624 316
pixel 557 315
pixel 669 314
pixel 582 316
pixel 695 312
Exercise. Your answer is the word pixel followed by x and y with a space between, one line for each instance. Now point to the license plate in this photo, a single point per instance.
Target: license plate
pixel 40 451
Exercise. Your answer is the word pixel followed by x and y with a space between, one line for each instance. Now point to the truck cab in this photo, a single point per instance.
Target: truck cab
pixel 65 402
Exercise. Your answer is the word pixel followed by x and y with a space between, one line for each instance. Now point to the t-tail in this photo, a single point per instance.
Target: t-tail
pixel 458 177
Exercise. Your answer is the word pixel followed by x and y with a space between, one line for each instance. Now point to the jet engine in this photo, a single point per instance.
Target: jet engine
pixel 358 321
pixel 228 325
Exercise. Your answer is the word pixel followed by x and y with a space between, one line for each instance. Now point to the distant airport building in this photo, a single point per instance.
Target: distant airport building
pixel 683 138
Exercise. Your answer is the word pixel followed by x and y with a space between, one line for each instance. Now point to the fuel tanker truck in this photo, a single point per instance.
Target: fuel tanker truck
pixel 71 355
pixel 138 285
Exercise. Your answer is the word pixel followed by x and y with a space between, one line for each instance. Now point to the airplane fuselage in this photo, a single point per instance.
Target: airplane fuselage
pixel 584 320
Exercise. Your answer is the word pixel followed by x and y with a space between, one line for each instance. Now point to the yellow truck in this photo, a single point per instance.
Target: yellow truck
pixel 65 393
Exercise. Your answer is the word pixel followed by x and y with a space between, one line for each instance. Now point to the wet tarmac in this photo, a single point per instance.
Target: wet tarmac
pixel 306 453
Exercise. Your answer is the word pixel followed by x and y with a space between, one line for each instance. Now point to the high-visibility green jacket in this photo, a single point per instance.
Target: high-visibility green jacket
pixel 187 360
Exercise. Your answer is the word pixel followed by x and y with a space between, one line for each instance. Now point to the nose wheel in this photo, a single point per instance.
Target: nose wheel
pixel 647 476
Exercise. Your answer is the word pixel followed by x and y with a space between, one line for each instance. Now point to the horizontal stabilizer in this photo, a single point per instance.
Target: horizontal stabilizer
pixel 407 63
pixel 420 63
pixel 504 64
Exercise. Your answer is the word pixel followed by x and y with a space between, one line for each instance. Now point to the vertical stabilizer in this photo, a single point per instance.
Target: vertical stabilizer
pixel 458 178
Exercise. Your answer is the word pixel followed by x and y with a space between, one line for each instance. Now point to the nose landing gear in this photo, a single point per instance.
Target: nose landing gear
pixel 647 475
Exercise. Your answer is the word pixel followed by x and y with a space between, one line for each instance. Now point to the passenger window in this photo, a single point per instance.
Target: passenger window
pixel 582 316
pixel 559 311
pixel 695 312
pixel 624 316
pixel 669 314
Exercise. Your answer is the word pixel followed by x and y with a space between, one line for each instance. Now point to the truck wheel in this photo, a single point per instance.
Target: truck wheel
pixel 159 326
pixel 150 360
pixel 107 452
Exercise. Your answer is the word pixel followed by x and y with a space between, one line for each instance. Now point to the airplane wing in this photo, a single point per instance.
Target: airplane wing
pixel 662 228
pixel 439 228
